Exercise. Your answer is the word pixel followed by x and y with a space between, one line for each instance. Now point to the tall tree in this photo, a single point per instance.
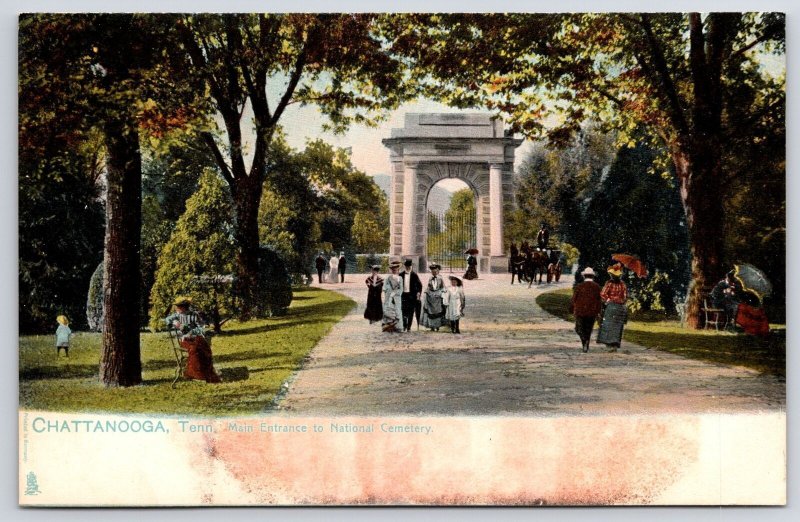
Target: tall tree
pixel 675 73
pixel 104 70
pixel 263 63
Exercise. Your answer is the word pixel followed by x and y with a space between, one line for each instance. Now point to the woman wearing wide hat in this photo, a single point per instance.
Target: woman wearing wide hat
pixel 614 295
pixel 432 307
pixel 392 294
pixel 374 311
pixel 188 325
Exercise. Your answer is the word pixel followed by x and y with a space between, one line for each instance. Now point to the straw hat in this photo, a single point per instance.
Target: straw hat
pixel 394 264
pixel 615 270
pixel 376 267
pixel 62 319
pixel 456 279
pixel 182 301
pixel 435 266
pixel 588 271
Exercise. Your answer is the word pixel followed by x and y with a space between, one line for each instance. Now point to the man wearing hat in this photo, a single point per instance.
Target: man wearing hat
pixel 188 325
pixel 320 263
pixel 585 305
pixel 543 237
pixel 342 265
pixel 412 291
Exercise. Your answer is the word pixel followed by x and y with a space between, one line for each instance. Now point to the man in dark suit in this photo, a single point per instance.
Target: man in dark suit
pixel 410 298
pixel 321 263
pixel 585 306
pixel 342 265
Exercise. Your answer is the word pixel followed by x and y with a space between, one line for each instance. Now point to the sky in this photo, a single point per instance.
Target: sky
pixel 368 154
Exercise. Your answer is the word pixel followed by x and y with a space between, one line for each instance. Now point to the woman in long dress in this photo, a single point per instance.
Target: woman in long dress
pixel 374 311
pixel 472 272
pixel 392 292
pixel 614 294
pixel 333 275
pixel 454 299
pixel 432 306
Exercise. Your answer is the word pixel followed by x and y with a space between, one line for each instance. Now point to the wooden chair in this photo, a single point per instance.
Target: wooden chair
pixel 180 355
pixel 714 316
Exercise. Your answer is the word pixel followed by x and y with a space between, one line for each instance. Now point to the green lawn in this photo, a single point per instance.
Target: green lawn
pixel 666 334
pixel 270 349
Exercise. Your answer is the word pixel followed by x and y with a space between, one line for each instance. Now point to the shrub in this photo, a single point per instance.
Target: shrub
pixel 198 258
pixel 652 294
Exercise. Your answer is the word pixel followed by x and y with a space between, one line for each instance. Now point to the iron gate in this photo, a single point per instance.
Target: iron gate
pixel 450 234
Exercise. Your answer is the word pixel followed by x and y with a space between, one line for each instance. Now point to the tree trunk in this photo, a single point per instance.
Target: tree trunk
pixel 120 361
pixel 702 201
pixel 247 197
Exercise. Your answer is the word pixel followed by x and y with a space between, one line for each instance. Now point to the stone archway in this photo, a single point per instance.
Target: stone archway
pixel 472 147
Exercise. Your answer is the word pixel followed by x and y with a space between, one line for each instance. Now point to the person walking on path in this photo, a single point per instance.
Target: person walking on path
pixel 412 291
pixel 455 300
pixel 392 296
pixel 432 306
pixel 188 325
pixel 374 311
pixel 321 263
pixel 585 305
pixel 342 265
pixel 333 275
pixel 63 334
pixel 614 294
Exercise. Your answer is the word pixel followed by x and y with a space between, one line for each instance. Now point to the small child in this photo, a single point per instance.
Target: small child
pixel 63 334
pixel 453 298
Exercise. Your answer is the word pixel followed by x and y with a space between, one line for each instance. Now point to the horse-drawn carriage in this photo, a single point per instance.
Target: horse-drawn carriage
pixel 533 262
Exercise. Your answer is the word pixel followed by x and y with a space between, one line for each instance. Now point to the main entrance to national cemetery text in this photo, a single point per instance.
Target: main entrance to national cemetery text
pixel 430 147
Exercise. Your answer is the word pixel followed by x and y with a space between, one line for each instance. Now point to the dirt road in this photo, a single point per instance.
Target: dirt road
pixel 512 358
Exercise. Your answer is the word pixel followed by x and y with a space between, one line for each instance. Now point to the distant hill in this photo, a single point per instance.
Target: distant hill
pixel 438 199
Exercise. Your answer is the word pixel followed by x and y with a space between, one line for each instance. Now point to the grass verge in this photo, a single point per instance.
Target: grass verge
pixel 767 356
pixel 270 350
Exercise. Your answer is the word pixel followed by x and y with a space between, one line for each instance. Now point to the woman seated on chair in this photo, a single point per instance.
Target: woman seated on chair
pixel 192 337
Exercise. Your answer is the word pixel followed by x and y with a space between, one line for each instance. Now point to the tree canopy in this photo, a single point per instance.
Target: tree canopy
pixel 695 82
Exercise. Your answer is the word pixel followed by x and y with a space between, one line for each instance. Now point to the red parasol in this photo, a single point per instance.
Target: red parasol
pixel 632 263
pixel 472 251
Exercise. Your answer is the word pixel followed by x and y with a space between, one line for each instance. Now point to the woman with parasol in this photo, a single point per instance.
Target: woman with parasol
pixel 614 295
pixel 472 263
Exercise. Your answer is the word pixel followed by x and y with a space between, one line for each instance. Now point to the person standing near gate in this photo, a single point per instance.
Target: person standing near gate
pixel 321 263
pixel 614 295
pixel 342 265
pixel 585 306
pixel 412 290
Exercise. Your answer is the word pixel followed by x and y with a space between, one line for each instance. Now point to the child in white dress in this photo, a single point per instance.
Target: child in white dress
pixel 453 298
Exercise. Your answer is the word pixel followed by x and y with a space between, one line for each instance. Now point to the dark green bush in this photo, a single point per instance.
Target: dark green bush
pixel 275 285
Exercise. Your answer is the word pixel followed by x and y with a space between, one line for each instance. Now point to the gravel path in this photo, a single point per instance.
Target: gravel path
pixel 512 358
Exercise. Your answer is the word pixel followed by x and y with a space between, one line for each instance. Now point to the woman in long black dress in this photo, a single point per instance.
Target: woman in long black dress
pixel 374 311
pixel 472 272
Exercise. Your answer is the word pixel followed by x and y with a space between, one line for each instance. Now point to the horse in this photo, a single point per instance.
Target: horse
pixel 535 263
